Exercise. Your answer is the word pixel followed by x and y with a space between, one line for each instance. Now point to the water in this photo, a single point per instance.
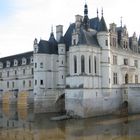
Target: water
pixel 23 124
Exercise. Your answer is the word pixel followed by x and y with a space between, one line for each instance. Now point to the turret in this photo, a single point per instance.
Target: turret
pixel 62 63
pixel 35 45
pixel 104 42
pixel 103 34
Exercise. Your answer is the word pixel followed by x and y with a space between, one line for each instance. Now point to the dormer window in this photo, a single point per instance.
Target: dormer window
pixel 8 64
pixel 31 59
pixel 1 65
pixel 24 61
pixel 15 62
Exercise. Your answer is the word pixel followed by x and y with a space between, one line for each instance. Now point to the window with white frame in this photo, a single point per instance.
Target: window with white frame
pixel 15 62
pixel 115 78
pixel 136 63
pixel 114 60
pixel 24 61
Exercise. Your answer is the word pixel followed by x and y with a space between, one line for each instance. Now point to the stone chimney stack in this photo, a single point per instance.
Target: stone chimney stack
pixel 59 32
pixel 78 21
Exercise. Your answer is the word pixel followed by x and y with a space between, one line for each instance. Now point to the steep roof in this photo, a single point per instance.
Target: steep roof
pixel 18 57
pixel 94 23
pixel 48 47
pixel 102 25
pixel 88 37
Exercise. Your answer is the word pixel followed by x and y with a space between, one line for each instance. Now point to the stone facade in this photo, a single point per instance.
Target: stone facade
pixel 88 71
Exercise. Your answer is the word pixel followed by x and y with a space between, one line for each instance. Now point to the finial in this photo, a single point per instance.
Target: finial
pixel 102 12
pixel 97 12
pixel 121 21
pixel 52 29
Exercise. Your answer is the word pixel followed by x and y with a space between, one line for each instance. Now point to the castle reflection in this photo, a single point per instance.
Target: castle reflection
pixel 22 124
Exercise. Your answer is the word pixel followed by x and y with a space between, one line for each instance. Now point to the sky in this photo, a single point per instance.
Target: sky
pixel 21 21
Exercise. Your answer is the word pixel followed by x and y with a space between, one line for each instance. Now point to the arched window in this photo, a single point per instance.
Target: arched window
pixel 89 64
pixel 82 64
pixel 75 64
pixel 95 65
pixel 126 78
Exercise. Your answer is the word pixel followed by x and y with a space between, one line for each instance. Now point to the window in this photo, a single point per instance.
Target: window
pixel 15 62
pixel 7 73
pixel 95 65
pixel 30 83
pixel 136 78
pixel 114 60
pixel 35 82
pixel 125 61
pixel 89 64
pixel 31 59
pixel 23 71
pixel 106 42
pixel 115 80
pixel 136 63
pixel 7 84
pixel 74 41
pixel 24 61
pixel 114 42
pixel 41 65
pixel 32 71
pixel 13 84
pixel 41 82
pixel 15 72
pixel 8 64
pixel 82 64
pixel 62 77
pixel 0 74
pixel 24 83
pixel 35 65
pixel 75 64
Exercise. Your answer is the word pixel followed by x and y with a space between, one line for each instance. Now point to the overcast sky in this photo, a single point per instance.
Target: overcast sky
pixel 23 20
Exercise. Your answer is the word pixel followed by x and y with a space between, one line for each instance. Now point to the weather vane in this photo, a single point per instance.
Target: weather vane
pixel 121 21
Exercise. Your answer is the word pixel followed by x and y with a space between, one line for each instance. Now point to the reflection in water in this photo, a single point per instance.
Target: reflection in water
pixel 23 124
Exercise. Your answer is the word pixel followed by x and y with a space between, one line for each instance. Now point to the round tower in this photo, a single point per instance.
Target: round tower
pixel 104 42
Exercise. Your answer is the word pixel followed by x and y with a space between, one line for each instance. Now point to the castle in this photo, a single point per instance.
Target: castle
pixel 89 71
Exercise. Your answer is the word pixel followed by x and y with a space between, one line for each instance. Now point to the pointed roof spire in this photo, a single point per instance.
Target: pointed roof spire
pixel 86 19
pixel 121 21
pixel 102 24
pixel 52 29
pixel 102 12
pixel 97 12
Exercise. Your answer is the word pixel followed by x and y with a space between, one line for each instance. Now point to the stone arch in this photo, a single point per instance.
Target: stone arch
pixel 124 108
pixel 60 103
pixel 22 99
pixel 6 98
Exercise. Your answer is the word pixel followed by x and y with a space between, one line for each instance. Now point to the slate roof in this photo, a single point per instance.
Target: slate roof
pixel 88 37
pixel 18 57
pixel 94 23
pixel 102 25
pixel 48 47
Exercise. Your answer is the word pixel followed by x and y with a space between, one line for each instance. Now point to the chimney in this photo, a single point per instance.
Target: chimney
pixel 78 21
pixel 59 32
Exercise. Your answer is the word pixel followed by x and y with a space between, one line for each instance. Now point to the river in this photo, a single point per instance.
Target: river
pixel 22 124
